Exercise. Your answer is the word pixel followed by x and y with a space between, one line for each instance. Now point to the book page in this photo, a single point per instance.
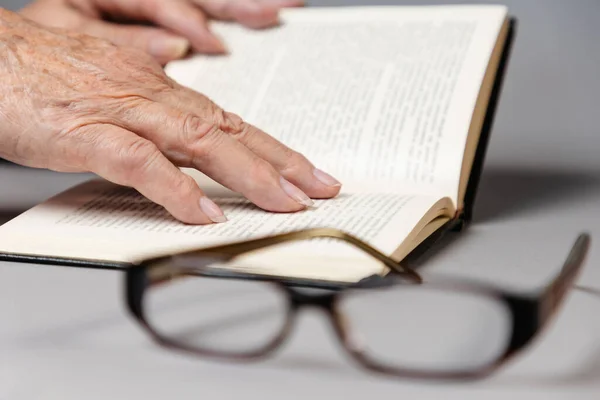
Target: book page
pixel 102 221
pixel 371 93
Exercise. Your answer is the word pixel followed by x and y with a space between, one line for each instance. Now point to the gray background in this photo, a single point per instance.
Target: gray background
pixel 66 335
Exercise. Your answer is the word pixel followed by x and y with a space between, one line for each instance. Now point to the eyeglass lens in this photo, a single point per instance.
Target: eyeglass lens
pixel 220 315
pixel 427 328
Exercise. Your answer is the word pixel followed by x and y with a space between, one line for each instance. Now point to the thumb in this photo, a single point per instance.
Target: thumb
pixel 160 44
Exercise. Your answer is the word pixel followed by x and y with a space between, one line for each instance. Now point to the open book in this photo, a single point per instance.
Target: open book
pixel 393 101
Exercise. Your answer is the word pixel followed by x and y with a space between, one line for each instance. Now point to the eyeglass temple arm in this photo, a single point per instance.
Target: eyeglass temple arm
pixel 555 292
pixel 229 251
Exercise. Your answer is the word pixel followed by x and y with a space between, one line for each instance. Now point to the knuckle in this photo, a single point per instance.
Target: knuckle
pixel 138 150
pixel 200 136
pixel 136 157
pixel 194 127
pixel 231 123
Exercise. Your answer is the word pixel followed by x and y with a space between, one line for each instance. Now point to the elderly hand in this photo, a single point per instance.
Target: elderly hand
pixel 73 103
pixel 181 23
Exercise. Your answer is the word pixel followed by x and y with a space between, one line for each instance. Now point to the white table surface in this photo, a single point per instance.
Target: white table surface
pixel 65 333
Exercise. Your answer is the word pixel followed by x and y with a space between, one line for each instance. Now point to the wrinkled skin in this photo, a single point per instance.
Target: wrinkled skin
pixel 180 25
pixel 75 103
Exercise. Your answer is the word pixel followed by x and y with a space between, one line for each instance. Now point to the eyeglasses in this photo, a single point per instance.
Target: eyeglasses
pixel 398 325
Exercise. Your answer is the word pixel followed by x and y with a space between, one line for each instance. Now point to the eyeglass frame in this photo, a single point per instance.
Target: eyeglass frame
pixel 530 313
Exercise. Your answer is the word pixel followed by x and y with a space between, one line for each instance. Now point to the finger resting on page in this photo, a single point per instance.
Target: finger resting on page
pixel 191 141
pixel 292 165
pixel 126 159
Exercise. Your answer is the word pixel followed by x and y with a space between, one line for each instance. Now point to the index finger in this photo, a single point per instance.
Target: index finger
pixel 126 159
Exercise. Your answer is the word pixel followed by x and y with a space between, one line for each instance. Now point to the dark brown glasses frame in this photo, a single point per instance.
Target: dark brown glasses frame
pixel 530 313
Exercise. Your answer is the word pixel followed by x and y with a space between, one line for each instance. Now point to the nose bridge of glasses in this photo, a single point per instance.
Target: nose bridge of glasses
pixel 320 299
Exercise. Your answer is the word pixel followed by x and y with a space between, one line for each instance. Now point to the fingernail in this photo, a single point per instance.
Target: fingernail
pixel 218 45
pixel 295 193
pixel 210 44
pixel 212 210
pixel 172 48
pixel 261 14
pixel 326 179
